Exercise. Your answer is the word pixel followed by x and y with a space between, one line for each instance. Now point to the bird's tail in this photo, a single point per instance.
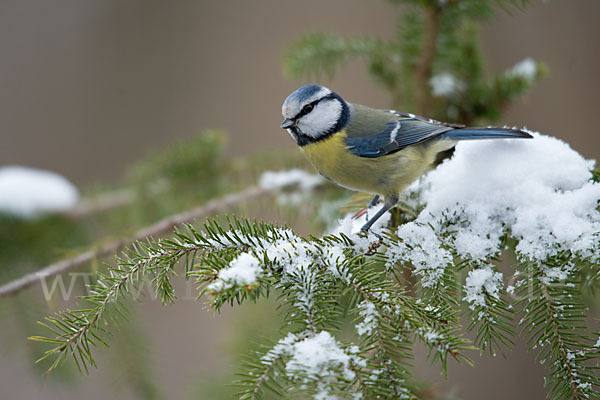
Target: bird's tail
pixel 484 133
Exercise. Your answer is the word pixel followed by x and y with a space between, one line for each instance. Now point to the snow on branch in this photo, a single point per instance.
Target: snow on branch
pixel 539 191
pixel 157 229
pixel 535 197
pixel 28 193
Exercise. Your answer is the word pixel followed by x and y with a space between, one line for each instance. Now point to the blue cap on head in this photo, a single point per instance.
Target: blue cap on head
pixel 302 96
pixel 306 92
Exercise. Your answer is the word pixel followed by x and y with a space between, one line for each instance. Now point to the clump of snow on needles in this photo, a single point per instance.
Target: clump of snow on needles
pixel 369 316
pixel 445 84
pixel 540 190
pixel 303 181
pixel 420 244
pixel 27 192
pixel 273 180
pixel 242 271
pixel 315 356
pixel 481 281
pixel 526 69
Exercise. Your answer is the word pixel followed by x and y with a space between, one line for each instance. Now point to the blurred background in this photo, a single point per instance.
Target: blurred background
pixel 89 87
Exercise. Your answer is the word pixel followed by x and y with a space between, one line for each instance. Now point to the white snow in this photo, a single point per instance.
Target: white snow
pixel 436 340
pixel 525 69
pixel 302 180
pixel 369 315
pixel 556 274
pixel 274 180
pixel 28 193
pixel 316 355
pixel 283 347
pixel 420 245
pixel 538 190
pixel 445 84
pixel 351 227
pixel 431 336
pixel 242 271
pixel 481 281
pixel 293 254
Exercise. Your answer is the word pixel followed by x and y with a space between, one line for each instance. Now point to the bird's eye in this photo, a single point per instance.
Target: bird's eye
pixel 307 108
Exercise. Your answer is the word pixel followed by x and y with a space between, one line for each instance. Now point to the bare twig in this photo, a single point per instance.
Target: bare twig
pixel 116 199
pixel 111 200
pixel 159 228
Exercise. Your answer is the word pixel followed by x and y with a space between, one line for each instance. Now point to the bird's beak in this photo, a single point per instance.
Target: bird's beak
pixel 287 123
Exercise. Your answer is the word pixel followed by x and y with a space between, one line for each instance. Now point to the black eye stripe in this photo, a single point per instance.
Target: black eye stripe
pixel 310 106
pixel 306 109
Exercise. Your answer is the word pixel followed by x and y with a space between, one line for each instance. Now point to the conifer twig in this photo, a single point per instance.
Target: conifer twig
pixel 425 61
pixel 115 199
pixel 99 204
pixel 161 227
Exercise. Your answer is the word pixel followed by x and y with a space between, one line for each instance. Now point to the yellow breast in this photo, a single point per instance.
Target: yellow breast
pixel 384 175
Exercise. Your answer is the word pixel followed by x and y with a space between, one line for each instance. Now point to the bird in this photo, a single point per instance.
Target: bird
pixel 371 150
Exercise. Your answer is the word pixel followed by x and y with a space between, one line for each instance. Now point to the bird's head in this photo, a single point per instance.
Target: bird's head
pixel 312 113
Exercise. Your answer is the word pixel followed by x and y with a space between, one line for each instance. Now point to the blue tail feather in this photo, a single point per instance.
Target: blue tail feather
pixel 484 133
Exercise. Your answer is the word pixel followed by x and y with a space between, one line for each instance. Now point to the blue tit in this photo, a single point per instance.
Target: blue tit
pixel 369 150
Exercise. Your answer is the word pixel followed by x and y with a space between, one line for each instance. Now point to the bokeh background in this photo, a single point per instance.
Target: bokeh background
pixel 87 87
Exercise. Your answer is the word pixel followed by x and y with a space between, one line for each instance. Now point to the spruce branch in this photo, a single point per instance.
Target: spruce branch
pixel 489 312
pixel 102 203
pixel 321 279
pixel 555 320
pixel 493 325
pixel 308 272
pixel 433 327
pixel 320 54
pixel 76 330
pixel 159 228
pixel 259 375
pixel 246 260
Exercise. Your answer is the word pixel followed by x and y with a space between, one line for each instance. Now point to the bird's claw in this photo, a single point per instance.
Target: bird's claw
pixel 360 213
pixel 366 232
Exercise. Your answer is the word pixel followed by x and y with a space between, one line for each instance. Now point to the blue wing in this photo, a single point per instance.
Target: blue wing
pixel 406 130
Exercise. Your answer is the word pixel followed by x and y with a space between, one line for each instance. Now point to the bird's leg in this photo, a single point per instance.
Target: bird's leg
pixel 389 203
pixel 372 203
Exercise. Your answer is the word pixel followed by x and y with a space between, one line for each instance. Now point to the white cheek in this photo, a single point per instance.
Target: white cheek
pixel 321 119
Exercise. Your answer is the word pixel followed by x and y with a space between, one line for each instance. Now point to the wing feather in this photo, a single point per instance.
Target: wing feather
pixel 405 130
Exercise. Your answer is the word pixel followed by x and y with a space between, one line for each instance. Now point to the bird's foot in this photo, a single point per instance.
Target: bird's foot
pixel 360 213
pixel 366 231
pixel 365 210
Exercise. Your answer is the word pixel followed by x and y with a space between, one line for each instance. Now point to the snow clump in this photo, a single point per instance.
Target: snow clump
pixel 29 193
